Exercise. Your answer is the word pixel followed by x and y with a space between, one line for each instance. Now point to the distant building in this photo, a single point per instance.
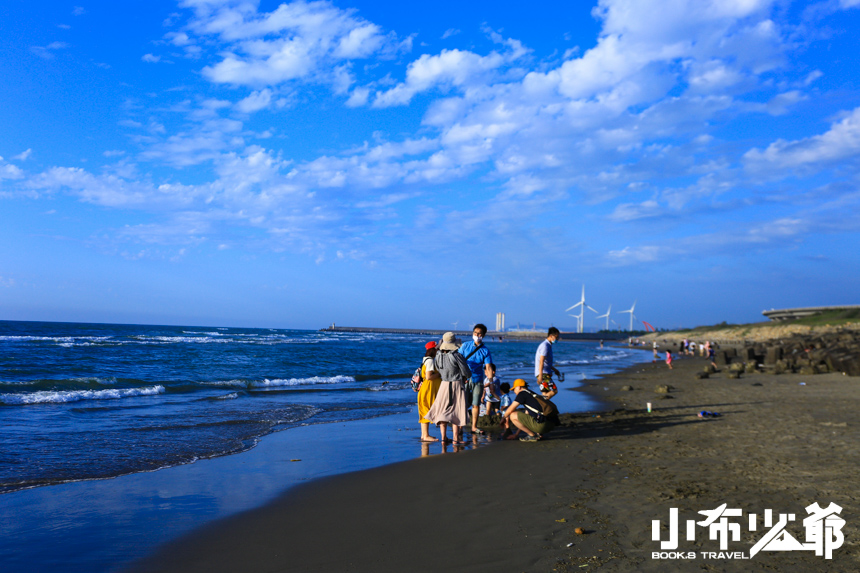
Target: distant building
pixel 500 322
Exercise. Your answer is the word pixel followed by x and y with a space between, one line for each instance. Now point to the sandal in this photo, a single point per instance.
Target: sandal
pixel 479 431
pixel 529 439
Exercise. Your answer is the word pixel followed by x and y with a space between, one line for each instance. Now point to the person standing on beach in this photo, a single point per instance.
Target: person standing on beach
pixel 450 404
pixel 429 389
pixel 543 363
pixel 669 359
pixel 478 358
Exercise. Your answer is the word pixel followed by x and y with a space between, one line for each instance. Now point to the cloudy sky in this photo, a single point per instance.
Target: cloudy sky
pixel 242 162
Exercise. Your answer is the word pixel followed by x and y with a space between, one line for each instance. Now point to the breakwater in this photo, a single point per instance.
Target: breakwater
pixel 516 334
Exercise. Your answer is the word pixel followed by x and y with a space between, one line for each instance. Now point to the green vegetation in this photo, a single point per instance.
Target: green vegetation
pixel 832 317
pixel 829 318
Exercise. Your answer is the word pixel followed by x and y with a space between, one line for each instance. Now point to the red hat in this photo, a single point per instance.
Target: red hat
pixel 431 344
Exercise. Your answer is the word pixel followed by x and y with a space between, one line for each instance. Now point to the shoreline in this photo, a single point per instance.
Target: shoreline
pixel 778 445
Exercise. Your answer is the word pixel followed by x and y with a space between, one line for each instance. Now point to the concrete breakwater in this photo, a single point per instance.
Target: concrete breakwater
pixel 517 334
pixel 808 353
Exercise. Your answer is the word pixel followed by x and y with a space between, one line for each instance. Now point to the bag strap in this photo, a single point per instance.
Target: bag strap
pixel 472 353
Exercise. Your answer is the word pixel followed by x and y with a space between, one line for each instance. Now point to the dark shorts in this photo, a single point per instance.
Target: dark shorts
pixel 476 391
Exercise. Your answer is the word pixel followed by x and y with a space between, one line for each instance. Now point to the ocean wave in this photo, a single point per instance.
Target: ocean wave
pixel 52 383
pixel 266 383
pixel 277 382
pixel 63 396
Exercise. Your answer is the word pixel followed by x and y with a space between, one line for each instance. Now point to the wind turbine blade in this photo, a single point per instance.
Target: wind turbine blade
pixel 573 307
pixel 589 308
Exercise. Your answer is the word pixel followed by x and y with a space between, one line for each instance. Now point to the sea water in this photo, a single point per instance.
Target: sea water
pixel 83 402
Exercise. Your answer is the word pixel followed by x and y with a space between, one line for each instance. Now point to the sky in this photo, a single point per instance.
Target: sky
pixel 421 164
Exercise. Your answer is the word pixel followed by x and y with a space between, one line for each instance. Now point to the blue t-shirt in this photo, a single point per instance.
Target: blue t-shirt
pixel 477 360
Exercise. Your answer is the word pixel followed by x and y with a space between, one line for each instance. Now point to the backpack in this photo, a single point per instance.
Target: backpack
pixel 548 409
pixel 417 379
pixel 416 376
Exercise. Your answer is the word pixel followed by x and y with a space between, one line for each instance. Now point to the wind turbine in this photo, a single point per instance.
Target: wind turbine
pixel 455 325
pixel 606 316
pixel 578 318
pixel 582 306
pixel 631 314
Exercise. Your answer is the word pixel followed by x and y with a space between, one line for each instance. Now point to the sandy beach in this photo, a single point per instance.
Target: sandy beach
pixel 781 443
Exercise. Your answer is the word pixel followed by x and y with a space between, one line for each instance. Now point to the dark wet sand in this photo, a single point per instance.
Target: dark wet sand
pixel 514 507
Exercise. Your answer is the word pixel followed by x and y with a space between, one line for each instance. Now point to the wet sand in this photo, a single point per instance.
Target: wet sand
pixel 516 506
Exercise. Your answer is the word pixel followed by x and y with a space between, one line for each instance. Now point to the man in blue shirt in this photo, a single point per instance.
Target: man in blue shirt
pixel 477 357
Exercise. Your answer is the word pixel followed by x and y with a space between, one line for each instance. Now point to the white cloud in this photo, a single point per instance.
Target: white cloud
pixel 450 68
pixel 8 171
pixel 47 52
pixel 24 155
pixel 840 143
pixel 150 58
pixel 256 101
pixel 297 41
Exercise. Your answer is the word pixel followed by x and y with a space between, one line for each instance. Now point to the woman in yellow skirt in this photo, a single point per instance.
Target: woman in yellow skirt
pixel 429 389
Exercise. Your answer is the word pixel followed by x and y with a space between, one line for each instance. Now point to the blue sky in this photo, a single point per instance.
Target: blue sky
pixel 418 164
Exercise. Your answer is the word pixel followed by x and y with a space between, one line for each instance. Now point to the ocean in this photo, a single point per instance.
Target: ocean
pixel 83 402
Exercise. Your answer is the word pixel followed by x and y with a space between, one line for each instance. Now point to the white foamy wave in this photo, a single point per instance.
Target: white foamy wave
pixel 59 397
pixel 61 340
pixel 301 381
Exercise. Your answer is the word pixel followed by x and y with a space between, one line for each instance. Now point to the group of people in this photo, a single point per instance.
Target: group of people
pixel 688 348
pixel 456 379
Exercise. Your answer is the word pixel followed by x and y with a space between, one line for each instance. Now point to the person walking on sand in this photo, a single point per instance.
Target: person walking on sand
pixel 450 404
pixel 478 358
pixel 543 362
pixel 533 420
pixel 428 391
pixel 669 359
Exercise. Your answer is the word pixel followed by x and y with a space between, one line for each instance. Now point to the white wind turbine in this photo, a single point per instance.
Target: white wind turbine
pixel 606 316
pixel 455 325
pixel 577 317
pixel 582 306
pixel 631 314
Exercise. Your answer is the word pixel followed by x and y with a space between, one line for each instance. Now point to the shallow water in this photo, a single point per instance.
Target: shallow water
pixel 84 402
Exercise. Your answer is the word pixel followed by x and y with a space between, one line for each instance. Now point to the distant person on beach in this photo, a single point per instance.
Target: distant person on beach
pixel 492 389
pixel 544 368
pixel 712 356
pixel 428 391
pixel 450 404
pixel 478 358
pixel 669 359
pixel 532 420
pixel 654 347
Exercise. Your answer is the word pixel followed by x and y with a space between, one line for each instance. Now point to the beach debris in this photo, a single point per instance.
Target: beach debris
pixel 627 388
pixel 295 460
pixel 570 544
pixel 562 520
pixel 702 375
pixel 648 404
pixel 706 414
pixel 734 374
pixel 663 389
pixel 802 384
pixel 579 531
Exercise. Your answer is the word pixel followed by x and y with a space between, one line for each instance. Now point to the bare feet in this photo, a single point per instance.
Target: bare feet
pixel 429 439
